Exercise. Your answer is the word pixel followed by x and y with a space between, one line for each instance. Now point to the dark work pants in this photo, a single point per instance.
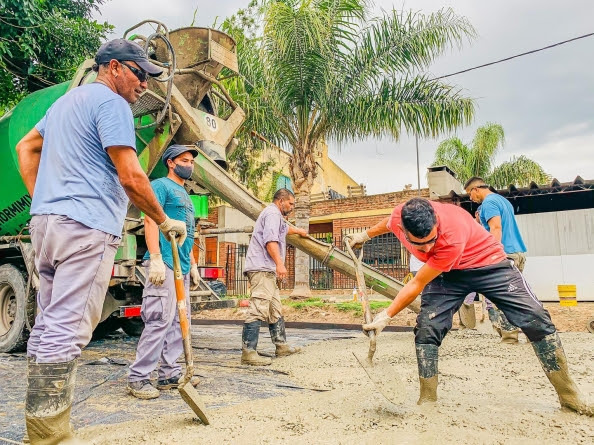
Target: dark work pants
pixel 501 283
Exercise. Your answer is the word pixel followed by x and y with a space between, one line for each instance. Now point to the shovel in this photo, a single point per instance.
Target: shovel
pixel 187 391
pixel 381 374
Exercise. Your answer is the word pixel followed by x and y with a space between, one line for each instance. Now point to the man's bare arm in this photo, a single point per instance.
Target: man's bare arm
pixel 412 289
pixel 151 234
pixel 29 153
pixel 136 182
pixel 379 229
pixel 495 227
pixel 273 250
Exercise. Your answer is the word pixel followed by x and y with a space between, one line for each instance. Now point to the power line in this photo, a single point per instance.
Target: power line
pixel 517 55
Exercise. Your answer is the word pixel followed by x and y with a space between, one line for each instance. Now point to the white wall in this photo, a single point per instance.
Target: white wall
pixel 233 218
pixel 560 251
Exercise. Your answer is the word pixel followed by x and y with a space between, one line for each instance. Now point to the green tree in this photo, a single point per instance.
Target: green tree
pixel 478 159
pixel 42 42
pixel 321 70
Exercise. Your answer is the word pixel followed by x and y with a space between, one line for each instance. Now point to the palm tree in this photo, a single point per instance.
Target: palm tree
pixel 321 70
pixel 478 160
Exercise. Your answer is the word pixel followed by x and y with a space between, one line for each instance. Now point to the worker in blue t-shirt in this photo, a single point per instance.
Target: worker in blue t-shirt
pixel 497 216
pixel 161 339
pixel 80 167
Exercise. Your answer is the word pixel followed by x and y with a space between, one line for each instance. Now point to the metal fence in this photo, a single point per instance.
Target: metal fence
pixel 383 252
pixel 237 283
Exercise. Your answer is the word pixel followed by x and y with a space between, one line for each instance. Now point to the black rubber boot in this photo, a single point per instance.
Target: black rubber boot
pixel 249 339
pixel 278 335
pixel 554 363
pixel 48 402
pixel 427 358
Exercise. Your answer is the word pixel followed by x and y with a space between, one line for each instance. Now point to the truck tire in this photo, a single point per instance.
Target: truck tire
pixel 132 326
pixel 15 309
pixel 106 327
pixel 590 326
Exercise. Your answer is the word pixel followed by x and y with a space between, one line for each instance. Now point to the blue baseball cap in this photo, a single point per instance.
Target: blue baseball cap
pixel 173 151
pixel 122 50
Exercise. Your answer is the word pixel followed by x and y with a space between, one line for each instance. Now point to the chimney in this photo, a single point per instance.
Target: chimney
pixel 442 181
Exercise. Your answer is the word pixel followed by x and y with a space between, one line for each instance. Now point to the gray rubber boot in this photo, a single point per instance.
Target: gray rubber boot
pixel 509 333
pixel 427 358
pixel 30 361
pixel 278 335
pixel 48 402
pixel 554 363
pixel 249 339
pixel 467 316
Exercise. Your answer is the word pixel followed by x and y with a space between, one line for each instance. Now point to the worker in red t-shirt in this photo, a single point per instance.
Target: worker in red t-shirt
pixel 460 257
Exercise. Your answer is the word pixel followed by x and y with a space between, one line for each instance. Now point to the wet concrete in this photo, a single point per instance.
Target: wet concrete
pixel 101 396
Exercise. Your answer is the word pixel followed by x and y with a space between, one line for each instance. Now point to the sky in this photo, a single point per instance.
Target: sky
pixel 544 101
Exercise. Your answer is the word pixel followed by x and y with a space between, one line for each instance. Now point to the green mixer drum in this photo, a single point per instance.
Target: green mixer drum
pixel 14 199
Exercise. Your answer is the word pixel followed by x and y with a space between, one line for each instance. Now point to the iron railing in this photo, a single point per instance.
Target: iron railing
pixel 384 252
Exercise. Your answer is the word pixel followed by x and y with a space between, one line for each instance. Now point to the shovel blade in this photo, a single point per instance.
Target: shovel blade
pixel 384 377
pixel 194 401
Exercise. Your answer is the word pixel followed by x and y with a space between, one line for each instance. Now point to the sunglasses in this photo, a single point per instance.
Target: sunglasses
pixel 422 243
pixel 141 75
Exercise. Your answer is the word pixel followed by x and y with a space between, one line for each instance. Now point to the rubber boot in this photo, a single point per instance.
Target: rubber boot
pixel 249 338
pixel 509 337
pixel 427 357
pixel 493 317
pixel 554 363
pixel 48 402
pixel 509 333
pixel 467 316
pixel 30 361
pixel 278 335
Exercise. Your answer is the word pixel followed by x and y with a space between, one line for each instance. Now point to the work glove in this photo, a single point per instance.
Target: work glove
pixel 174 225
pixel 378 324
pixel 156 269
pixel 356 240
pixel 194 276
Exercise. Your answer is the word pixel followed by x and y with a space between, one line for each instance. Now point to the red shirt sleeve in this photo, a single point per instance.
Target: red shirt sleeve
pixel 447 257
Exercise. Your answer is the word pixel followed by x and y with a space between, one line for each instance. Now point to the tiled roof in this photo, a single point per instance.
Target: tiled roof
pixel 554 187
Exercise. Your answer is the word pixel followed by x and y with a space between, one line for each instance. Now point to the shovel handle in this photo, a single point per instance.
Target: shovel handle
pixel 358 261
pixel 180 296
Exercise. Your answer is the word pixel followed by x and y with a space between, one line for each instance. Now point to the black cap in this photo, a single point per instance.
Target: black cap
pixel 122 50
pixel 173 151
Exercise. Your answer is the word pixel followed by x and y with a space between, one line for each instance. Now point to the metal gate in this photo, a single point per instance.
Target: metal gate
pixel 237 282
pixel 384 252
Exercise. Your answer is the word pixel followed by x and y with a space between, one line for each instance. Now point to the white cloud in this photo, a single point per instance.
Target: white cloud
pixel 543 101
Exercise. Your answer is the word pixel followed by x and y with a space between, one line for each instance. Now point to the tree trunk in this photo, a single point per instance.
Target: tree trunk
pixel 302 210
pixel 303 171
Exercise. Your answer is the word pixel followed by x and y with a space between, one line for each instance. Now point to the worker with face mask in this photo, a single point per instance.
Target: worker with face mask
pixel 161 339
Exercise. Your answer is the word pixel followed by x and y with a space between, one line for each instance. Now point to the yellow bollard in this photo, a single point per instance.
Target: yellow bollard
pixel 567 294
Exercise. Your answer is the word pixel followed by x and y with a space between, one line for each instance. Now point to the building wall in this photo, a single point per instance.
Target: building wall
pixel 329 173
pixel 560 251
pixel 374 206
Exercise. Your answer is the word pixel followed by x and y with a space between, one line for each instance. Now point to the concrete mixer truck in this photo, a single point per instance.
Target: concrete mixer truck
pixel 187 105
